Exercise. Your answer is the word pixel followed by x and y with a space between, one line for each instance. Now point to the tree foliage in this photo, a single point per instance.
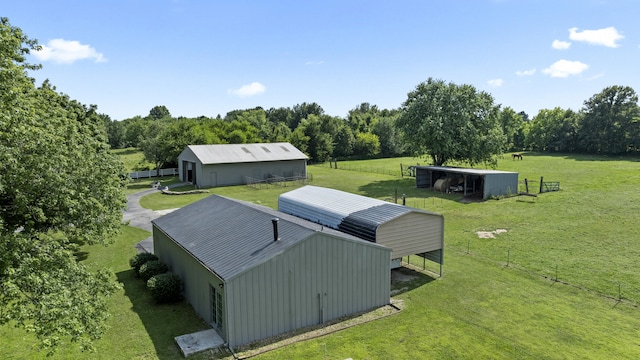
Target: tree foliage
pixel 309 138
pixel 610 122
pixel 59 188
pixel 451 122
pixel 553 130
pixel 159 112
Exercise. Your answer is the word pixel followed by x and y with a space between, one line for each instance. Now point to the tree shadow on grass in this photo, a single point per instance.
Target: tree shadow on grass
pixel 162 322
pixel 588 157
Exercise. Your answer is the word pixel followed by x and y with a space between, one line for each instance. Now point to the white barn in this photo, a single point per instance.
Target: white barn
pixel 407 231
pixel 233 164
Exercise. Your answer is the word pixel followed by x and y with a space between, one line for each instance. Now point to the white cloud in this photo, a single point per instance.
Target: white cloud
pixel 529 72
pixel 606 37
pixel 565 68
pixel 314 62
pixel 252 89
pixel 495 82
pixel 560 45
pixel 67 52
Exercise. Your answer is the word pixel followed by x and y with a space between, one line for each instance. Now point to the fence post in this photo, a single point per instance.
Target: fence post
pixel 526 185
pixel 541 179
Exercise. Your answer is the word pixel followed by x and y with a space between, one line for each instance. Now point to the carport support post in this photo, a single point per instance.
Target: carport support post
pixel 465 184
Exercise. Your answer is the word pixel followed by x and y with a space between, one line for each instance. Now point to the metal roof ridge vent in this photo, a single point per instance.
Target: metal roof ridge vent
pixel 275 221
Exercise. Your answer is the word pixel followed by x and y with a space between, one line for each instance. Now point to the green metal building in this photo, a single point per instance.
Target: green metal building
pixel 253 272
pixel 236 164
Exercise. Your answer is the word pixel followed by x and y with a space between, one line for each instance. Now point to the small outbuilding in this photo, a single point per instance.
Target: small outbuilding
pixel 407 231
pixel 481 183
pixel 236 164
pixel 253 272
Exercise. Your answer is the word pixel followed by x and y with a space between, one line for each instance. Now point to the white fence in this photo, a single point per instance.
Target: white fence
pixel 154 173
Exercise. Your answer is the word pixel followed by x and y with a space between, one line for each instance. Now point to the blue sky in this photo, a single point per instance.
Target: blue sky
pixel 206 58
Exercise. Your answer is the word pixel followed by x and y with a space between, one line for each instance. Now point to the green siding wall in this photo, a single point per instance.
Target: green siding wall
pixel 320 279
pixel 196 278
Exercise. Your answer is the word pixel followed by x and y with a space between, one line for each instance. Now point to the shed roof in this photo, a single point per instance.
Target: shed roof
pixel 243 153
pixel 467 171
pixel 231 236
pixel 354 214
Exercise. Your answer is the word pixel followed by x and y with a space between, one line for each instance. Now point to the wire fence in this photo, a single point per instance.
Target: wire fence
pixel 278 181
pixel 613 289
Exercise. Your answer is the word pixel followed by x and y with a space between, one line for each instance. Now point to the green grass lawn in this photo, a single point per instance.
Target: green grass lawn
pixel 585 235
pixel 138 328
pixel 132 159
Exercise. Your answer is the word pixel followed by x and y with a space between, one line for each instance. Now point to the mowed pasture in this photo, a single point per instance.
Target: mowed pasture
pixel 561 282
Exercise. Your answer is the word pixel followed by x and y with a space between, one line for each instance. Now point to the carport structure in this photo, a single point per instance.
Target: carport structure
pixel 469 182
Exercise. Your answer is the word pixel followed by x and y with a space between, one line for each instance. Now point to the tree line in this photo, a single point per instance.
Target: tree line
pixel 444 121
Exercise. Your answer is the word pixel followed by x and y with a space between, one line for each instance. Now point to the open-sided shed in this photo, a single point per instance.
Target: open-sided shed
pixel 469 182
pixel 407 231
pixel 237 164
pixel 253 272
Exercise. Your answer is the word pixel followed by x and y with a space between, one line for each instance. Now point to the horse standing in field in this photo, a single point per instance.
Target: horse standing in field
pixel 516 156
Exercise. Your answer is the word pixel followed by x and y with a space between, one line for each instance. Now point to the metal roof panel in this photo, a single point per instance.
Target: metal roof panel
pixel 242 153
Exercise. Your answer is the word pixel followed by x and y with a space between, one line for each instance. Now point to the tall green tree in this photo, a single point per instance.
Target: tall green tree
pixel 59 188
pixel 177 135
pixel 309 138
pixel 151 144
pixel 159 112
pixel 553 130
pixel 303 111
pixel 367 144
pixel 451 122
pixel 390 144
pixel 511 124
pixel 343 142
pixel 610 121
pixel 134 129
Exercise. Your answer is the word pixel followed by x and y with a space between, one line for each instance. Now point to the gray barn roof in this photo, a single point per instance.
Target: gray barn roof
pixel 354 214
pixel 242 153
pixel 230 236
pixel 464 170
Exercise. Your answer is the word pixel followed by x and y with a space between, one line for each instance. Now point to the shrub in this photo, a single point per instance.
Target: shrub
pixel 165 287
pixel 152 268
pixel 140 259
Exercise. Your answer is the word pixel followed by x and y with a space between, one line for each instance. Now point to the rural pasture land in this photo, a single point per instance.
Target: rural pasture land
pixel 561 283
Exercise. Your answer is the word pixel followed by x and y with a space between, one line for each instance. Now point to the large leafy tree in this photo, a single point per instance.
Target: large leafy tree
pixel 390 143
pixel 151 144
pixel 610 121
pixel 59 188
pixel 451 122
pixel 343 142
pixel 309 138
pixel 511 123
pixel 159 112
pixel 553 130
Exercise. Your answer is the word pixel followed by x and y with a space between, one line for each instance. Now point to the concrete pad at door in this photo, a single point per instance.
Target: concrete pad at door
pixel 200 341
